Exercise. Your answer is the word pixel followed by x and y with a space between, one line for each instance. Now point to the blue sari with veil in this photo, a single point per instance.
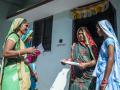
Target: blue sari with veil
pixel 113 80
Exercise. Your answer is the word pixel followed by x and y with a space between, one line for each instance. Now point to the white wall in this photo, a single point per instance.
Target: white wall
pixel 4 23
pixel 48 64
pixel 116 4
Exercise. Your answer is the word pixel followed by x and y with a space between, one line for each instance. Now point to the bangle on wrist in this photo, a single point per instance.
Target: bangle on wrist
pixel 19 53
pixel 25 51
pixel 104 81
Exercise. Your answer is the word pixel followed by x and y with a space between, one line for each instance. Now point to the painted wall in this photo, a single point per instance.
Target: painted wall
pixel 4 23
pixel 48 64
pixel 116 4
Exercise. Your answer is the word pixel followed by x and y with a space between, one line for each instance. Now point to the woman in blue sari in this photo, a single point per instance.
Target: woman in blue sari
pixel 108 66
pixel 27 39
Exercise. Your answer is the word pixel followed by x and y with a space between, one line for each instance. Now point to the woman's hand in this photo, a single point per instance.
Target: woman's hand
pixel 31 50
pixel 82 65
pixel 63 62
pixel 103 86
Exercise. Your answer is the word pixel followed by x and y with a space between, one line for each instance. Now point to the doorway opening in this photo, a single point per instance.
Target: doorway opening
pixel 90 23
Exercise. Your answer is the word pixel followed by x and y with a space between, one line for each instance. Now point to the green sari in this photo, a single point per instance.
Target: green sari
pixel 81 79
pixel 16 72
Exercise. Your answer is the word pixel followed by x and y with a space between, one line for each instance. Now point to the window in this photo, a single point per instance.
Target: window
pixel 42 32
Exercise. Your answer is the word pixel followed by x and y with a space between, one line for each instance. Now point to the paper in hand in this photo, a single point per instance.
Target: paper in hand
pixel 69 62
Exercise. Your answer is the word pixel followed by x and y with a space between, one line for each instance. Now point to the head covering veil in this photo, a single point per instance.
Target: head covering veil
pixel 15 24
pixel 108 30
pixel 88 38
pixel 89 42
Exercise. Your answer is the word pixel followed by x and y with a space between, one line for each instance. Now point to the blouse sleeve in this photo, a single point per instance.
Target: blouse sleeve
pixel 109 41
pixel 13 37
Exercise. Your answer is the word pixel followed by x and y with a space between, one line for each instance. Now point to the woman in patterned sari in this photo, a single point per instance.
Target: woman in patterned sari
pixel 107 69
pixel 85 53
pixel 16 72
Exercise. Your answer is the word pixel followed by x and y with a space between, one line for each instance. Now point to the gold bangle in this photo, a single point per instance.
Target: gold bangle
pixel 19 53
pixel 25 51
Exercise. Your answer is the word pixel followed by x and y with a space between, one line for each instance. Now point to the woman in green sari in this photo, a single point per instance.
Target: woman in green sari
pixel 16 72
